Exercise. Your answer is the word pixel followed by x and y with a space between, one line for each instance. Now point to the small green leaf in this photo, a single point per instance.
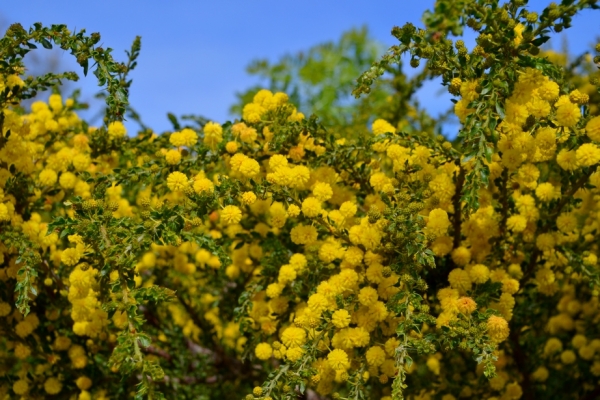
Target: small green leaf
pixel 44 42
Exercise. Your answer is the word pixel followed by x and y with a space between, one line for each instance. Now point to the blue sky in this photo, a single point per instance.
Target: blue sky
pixel 194 53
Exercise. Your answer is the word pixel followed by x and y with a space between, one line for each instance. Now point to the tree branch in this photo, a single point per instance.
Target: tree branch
pixel 457 217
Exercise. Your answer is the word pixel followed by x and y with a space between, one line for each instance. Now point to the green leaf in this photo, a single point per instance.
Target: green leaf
pixel 540 41
pixel 174 121
pixel 44 42
pixel 144 340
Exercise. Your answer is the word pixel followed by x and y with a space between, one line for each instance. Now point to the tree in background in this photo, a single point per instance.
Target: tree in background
pixel 321 79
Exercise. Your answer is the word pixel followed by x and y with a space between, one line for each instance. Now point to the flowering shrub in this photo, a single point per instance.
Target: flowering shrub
pixel 270 258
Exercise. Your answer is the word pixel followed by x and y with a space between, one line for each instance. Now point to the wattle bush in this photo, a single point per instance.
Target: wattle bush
pixel 274 257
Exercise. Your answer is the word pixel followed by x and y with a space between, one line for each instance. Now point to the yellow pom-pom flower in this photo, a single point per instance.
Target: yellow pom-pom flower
pixel 592 129
pixel 48 177
pixel 177 181
pixel 381 126
pixel 438 222
pixel 375 356
pixel 497 328
pixel 231 215
pixel 340 319
pixel 338 360
pixel 322 191
pixel 567 114
pixel 52 386
pixel 20 387
pixel 588 154
pixel 173 157
pixel 263 351
pixel 116 130
pixel 293 336
pixel 213 134
pixel 203 185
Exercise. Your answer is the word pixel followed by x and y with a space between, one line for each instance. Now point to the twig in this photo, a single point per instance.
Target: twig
pixel 457 217
pixel 521 361
pixel 58 281
pixel 504 203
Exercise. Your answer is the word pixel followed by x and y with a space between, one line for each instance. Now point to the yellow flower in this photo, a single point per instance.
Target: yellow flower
pixel 566 222
pixel 277 161
pixel 513 391
pixel 311 207
pixel 466 305
pixel 263 351
pixel 293 210
pixel 48 177
pixel 567 160
pixel 375 356
pixel 348 209
pixel 592 129
pixel 67 180
pixel 263 97
pixel 252 112
pixel 173 157
pixel 116 130
pixel 293 336
pixel 274 290
pixel 294 353
pixel 568 357
pixel 287 274
pixel 541 374
pixel 213 134
pixel 83 382
pixel 459 279
pixel 438 222
pixel 549 90
pixel 497 328
pixel 70 256
pixel 177 181
pixel 249 167
pixel 4 214
pixel 231 147
pixel 318 303
pixel 545 241
pixel 52 386
pixel 322 191
pixel 14 80
pixel 22 351
pixel 434 366
pixel 338 360
pixel 468 90
pixel 203 185
pixel 340 319
pixel 553 345
pixel 303 234
pixel 248 198
pixel 567 114
pixel 20 387
pixel 231 215
pixel 367 296
pixel 188 137
pixel 381 126
pixel 518 29
pixel 588 154
pixel 248 135
pixel 479 273
pixel 461 110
